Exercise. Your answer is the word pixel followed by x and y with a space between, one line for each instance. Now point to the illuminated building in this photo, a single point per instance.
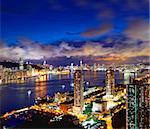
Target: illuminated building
pixel 93 123
pixel 65 106
pixel 138 103
pixel 78 92
pixel 81 65
pixel 99 106
pixel 71 68
pixel 51 67
pixel 21 67
pixel 1 74
pixel 94 67
pixel 128 75
pixel 44 62
pixel 110 84
pixel 60 97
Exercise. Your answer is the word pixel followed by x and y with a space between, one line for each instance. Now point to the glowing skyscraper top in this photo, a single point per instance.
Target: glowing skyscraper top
pixel 44 62
pixel 81 65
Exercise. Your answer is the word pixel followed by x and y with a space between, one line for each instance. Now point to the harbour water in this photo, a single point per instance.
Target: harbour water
pixel 16 96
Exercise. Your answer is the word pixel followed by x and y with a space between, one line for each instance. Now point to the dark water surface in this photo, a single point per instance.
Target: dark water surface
pixel 14 96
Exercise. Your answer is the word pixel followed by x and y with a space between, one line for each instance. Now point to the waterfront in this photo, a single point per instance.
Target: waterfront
pixel 14 96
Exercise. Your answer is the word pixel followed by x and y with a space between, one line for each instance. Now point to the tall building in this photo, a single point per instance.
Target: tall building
pixel 44 62
pixel 78 92
pixel 128 75
pixel 71 68
pixel 110 82
pixel 21 62
pixel 138 103
pixel 81 65
pixel 1 73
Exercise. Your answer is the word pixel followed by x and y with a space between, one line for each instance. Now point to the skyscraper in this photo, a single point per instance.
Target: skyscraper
pixel 78 92
pixel 110 82
pixel 44 62
pixel 21 67
pixel 71 68
pixel 138 103
pixel 81 65
pixel 128 75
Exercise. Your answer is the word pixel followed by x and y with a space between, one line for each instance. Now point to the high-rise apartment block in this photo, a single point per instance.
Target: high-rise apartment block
pixel 78 92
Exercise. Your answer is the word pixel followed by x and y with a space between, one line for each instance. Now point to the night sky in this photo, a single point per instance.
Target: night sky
pixel 64 31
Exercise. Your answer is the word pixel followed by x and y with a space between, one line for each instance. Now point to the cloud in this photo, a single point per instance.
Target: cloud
pixel 97 31
pixel 138 29
pixel 88 49
pixel 121 50
pixel 133 50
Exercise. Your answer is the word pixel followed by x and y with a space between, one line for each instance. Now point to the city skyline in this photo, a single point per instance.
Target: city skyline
pixel 81 64
pixel 68 31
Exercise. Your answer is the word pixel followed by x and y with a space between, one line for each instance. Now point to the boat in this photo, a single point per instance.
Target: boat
pixel 29 92
pixel 72 84
pixel 63 86
pixel 87 83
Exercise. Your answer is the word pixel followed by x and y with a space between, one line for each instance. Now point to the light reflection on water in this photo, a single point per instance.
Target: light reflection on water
pixel 14 96
pixel 41 87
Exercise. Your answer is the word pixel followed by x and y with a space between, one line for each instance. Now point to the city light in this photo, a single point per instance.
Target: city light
pixel 82 64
